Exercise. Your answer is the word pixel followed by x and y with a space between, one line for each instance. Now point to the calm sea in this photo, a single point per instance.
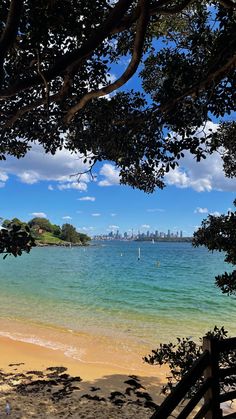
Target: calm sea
pixel 105 289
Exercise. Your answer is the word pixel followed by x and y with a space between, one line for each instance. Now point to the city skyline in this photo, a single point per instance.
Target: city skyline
pixel 117 235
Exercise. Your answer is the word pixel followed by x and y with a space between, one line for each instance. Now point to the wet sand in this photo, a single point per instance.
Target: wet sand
pixel 47 372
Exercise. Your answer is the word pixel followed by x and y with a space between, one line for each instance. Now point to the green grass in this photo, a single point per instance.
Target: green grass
pixel 48 238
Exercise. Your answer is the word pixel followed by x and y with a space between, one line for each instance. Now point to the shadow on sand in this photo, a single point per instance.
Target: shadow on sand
pixel 53 393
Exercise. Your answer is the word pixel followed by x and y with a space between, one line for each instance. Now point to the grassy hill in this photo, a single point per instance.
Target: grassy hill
pixel 50 239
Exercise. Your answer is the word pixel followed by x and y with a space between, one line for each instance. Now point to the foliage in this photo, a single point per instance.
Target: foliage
pixel 219 233
pixel 15 240
pixel 180 357
pixel 55 64
pixel 42 223
pixel 69 234
pixel 17 236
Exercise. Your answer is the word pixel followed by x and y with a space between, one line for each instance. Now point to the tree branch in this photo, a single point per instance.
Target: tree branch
pixel 11 27
pixel 198 87
pixel 130 70
pixel 71 61
pixel 156 10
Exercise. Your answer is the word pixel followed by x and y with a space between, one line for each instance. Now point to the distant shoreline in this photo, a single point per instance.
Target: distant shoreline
pixel 167 239
pixel 61 245
pixel 157 240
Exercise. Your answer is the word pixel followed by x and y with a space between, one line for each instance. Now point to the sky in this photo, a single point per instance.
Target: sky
pixel 43 185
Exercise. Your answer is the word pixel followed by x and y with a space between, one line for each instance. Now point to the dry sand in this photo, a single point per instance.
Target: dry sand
pixel 40 382
pixel 43 383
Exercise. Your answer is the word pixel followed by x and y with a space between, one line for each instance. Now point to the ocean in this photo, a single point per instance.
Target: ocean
pixel 104 289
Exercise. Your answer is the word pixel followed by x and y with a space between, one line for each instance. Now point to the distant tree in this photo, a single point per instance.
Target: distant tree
pixel 69 233
pixel 84 239
pixel 6 223
pixel 56 230
pixel 218 233
pixel 42 223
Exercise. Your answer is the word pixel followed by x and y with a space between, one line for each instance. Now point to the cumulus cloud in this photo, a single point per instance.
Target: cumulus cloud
pixel 111 175
pixel 80 186
pixel 50 188
pixel 96 214
pixel 113 227
pixel 39 214
pixel 145 226
pixel 67 217
pixel 113 214
pixel 38 166
pixel 200 210
pixel 203 176
pixel 87 198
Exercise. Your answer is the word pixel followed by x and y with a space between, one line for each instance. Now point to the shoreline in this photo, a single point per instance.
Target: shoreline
pixel 41 382
pixel 93 356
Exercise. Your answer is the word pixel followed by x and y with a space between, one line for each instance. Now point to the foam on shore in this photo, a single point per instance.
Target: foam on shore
pixel 37 347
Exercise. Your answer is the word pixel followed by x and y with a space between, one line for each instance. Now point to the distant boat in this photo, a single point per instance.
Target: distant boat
pixel 153 241
pixel 139 253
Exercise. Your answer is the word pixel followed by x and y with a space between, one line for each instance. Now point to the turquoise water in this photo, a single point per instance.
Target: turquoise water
pixel 104 289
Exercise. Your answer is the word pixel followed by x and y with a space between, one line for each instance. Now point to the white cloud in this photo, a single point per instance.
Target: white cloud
pixel 67 217
pixel 215 213
pixel 96 214
pixel 50 188
pixel 113 227
pixel 87 198
pixel 2 184
pixel 185 179
pixel 39 214
pixel 3 177
pixel 39 166
pixel 203 176
pixel 200 210
pixel 145 226
pixel 80 186
pixel 113 214
pixel 111 174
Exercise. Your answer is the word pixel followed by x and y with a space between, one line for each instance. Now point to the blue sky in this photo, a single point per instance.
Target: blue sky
pixel 42 185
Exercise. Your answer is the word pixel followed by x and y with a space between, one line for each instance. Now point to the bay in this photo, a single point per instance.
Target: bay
pixel 104 289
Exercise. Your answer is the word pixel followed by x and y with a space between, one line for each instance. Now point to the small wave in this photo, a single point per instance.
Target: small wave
pixel 69 351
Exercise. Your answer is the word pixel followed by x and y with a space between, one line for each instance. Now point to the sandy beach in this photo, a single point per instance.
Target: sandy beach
pixel 40 382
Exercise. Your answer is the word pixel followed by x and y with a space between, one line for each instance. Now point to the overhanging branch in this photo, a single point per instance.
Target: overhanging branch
pixel 71 61
pixel 130 70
